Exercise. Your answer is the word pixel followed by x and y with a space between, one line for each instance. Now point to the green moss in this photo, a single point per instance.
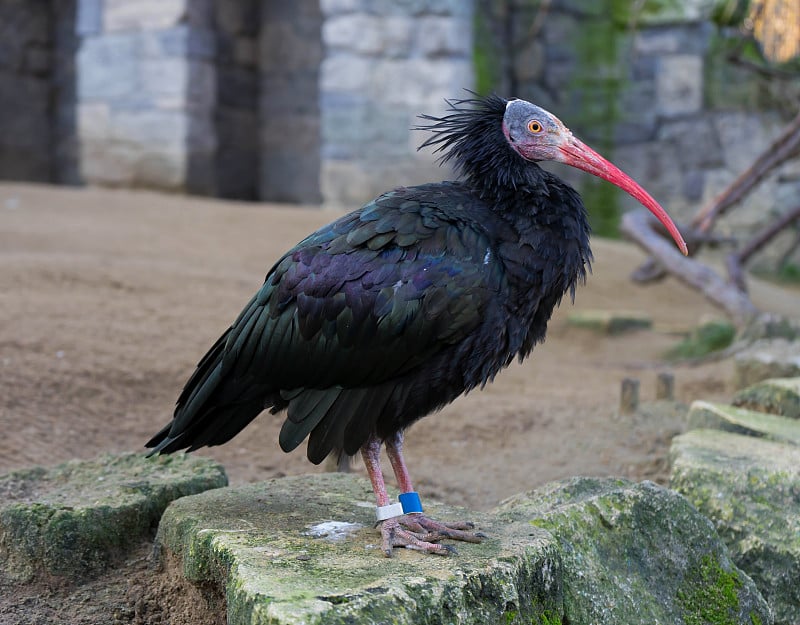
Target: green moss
pixel 605 207
pixel 788 273
pixel 710 595
pixel 488 50
pixel 548 617
pixel 627 12
pixel 485 59
pixel 597 83
pixel 705 339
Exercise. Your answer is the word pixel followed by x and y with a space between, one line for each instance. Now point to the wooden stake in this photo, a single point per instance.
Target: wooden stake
pixel 665 386
pixel 629 396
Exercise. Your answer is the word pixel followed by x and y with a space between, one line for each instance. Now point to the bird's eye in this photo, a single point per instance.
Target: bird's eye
pixel 535 126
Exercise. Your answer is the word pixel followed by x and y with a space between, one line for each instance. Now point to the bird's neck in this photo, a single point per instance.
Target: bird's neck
pixel 504 177
pixel 550 221
pixel 545 259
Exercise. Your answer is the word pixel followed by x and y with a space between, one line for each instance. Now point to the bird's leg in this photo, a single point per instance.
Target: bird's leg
pixel 418 522
pixel 392 534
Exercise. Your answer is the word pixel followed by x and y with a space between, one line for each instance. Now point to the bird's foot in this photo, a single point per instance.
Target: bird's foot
pixel 418 532
pixel 436 530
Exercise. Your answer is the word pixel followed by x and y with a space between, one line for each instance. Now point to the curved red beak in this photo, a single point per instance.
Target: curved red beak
pixel 574 152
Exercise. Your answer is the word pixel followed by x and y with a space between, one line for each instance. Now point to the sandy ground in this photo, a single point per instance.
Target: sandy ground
pixel 109 298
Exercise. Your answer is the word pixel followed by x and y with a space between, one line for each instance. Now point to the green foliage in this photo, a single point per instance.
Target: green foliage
pixel 730 12
pixel 738 76
pixel 788 273
pixel 705 339
pixel 600 78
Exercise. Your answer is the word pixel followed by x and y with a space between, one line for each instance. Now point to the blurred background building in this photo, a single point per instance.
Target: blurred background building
pixel 311 101
pixel 296 101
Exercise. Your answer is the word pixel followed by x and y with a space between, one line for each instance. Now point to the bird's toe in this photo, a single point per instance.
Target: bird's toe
pixel 394 535
pixel 436 530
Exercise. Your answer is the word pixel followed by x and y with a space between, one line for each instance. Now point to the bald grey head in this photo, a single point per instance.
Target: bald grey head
pixel 532 132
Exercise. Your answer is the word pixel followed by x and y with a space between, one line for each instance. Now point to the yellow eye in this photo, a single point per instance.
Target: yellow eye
pixel 535 126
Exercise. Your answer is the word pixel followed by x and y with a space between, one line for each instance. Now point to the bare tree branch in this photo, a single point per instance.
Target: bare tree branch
pixel 639 225
pixel 738 259
pixel 786 146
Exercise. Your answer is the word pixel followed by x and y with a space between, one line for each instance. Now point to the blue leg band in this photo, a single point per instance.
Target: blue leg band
pixel 411 503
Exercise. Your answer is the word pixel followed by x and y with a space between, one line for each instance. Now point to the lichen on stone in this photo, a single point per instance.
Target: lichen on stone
pixel 76 518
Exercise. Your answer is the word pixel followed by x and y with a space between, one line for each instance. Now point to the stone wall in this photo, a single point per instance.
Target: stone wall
pixel 300 102
pixel 312 101
pixel 650 88
pixel 386 62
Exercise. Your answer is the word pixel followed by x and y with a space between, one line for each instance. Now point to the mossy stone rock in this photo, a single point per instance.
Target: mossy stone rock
pixel 264 546
pixel 767 358
pixel 750 488
pixel 771 326
pixel 610 322
pixel 638 553
pixel 583 551
pixel 75 518
pixel 710 415
pixel 779 396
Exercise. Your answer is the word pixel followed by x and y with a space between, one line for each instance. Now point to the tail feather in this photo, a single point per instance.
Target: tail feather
pixel 205 368
pixel 212 408
pixel 158 441
pixel 219 400
pixel 306 410
pixel 360 427
pixel 222 425
pixel 328 435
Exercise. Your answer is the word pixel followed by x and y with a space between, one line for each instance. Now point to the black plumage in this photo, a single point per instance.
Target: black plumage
pixel 396 309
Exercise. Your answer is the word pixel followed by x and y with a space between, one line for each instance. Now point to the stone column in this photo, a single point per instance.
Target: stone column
pixel 25 90
pixel 145 94
pixel 236 117
pixel 290 53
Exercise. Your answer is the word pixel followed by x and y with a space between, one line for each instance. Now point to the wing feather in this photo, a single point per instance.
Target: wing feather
pixel 350 310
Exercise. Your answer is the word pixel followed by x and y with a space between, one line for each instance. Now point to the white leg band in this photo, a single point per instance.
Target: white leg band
pixel 389 512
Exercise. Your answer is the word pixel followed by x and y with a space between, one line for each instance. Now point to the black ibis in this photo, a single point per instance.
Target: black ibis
pixel 399 307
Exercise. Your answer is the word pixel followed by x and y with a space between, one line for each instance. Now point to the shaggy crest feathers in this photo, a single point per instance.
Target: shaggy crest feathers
pixel 471 137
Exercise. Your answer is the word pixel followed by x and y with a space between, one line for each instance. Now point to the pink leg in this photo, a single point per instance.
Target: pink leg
pixel 419 523
pixel 392 534
pixel 394 449
pixel 371 452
